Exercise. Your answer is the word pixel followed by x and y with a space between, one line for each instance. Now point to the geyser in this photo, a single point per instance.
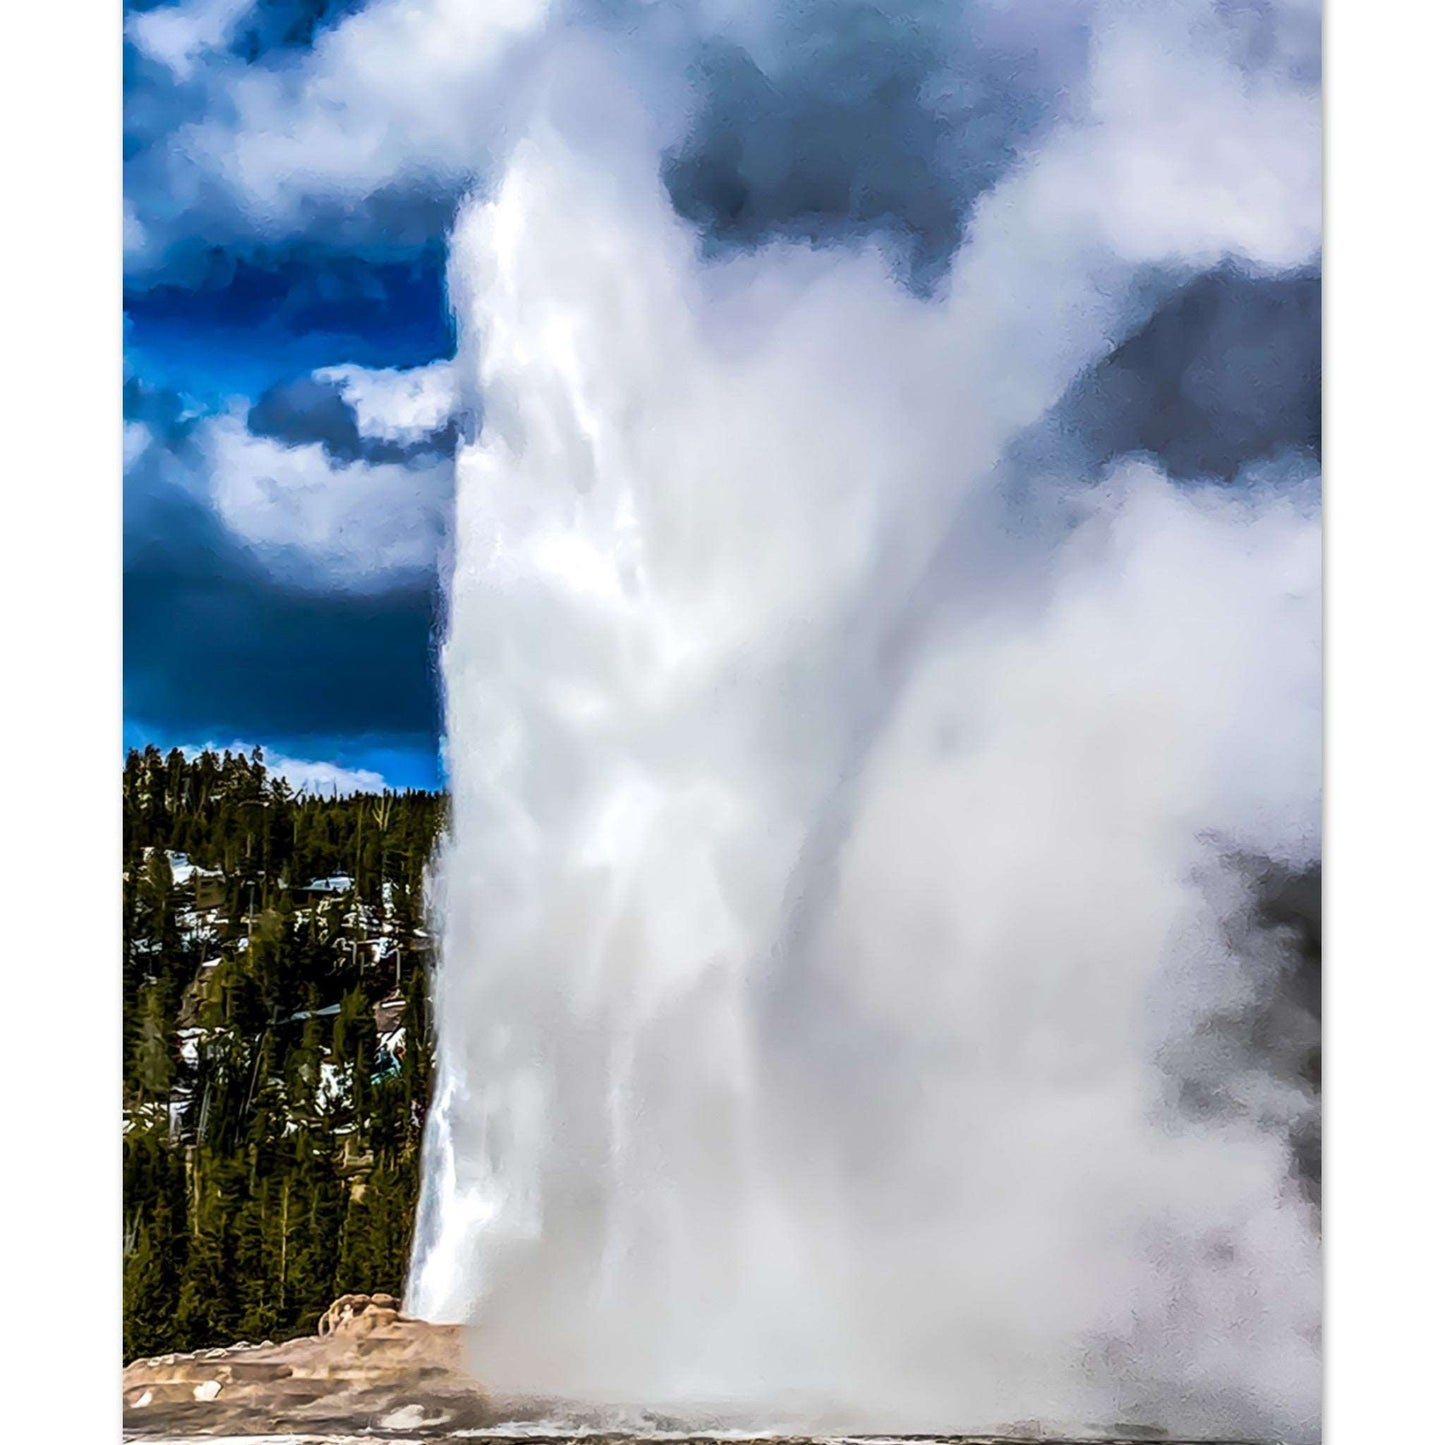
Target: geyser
pixel 840 902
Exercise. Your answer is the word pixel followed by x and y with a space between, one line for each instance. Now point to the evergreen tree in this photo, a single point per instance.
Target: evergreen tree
pixel 153 1067
pixel 271 1152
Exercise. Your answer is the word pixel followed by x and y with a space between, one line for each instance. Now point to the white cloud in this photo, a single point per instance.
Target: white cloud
pixel 312 776
pixel 404 89
pixel 353 525
pixel 303 774
pixel 133 232
pixel 1200 156
pixel 181 36
pixel 399 405
pixel 136 439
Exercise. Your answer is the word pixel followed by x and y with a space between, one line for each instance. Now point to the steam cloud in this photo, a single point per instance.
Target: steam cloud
pixel 844 929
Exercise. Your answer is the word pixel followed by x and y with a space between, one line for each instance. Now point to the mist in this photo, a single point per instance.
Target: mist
pixel 855 1005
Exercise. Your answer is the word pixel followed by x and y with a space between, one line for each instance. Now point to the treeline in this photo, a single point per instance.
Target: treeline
pixel 277 1046
pixel 223 811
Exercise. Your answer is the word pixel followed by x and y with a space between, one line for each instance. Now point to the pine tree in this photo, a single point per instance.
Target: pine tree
pixel 204 1315
pixel 266 1194
pixel 153 1065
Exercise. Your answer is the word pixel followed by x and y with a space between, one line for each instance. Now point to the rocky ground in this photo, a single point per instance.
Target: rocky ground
pixel 371 1373
pixel 369 1368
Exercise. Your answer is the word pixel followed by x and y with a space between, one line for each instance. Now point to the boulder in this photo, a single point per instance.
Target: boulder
pixel 359 1314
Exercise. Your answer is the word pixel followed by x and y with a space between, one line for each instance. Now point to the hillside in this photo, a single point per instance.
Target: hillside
pixel 277 1046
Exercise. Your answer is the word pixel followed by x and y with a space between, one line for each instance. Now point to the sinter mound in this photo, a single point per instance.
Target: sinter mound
pixel 368 1367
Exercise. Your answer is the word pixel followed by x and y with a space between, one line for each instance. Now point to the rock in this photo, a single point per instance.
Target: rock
pixel 359 1314
pixel 366 1362
pixel 412 1417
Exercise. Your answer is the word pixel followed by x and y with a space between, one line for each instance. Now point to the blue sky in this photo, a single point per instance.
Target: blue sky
pixel 291 172
pixel 219 644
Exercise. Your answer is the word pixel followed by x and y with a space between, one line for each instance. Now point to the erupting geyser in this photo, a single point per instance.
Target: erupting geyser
pixel 842 893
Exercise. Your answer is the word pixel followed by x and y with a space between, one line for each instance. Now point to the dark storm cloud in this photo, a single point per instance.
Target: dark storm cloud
pixel 162 411
pixel 214 645
pixel 1221 378
pixel 866 122
pixel 307 410
pixel 1225 373
pixel 812 161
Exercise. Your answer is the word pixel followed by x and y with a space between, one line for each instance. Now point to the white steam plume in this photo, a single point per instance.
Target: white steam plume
pixel 810 954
